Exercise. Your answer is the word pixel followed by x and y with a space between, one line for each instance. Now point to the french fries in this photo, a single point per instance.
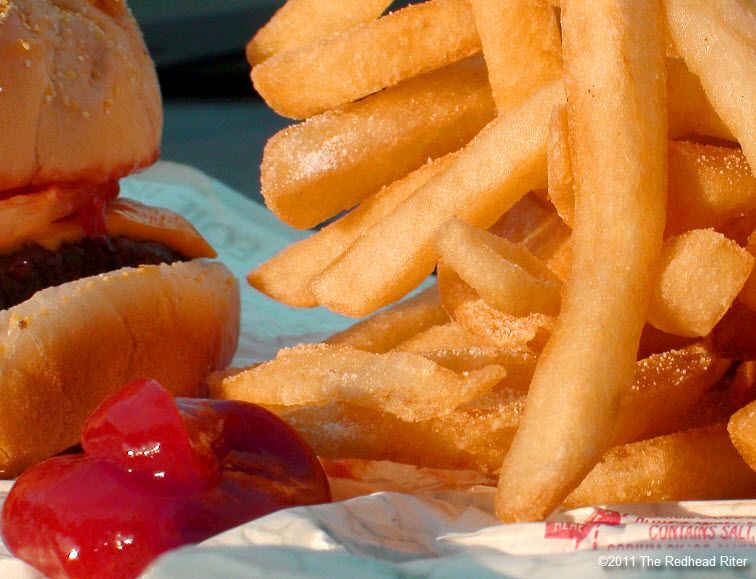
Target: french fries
pixel 666 386
pixel 717 40
pixel 742 429
pixel 474 437
pixel 561 184
pixel 406 385
pixel 301 22
pixel 476 434
pixel 694 465
pixel 521 45
pixel 287 276
pixel 698 276
pixel 506 275
pixel 522 333
pixel 393 326
pixel 707 185
pixel 313 170
pixel 359 62
pixel 593 325
pixel 485 179
pixel 611 93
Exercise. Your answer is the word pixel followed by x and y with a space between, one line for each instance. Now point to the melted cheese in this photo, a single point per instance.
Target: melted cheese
pixel 133 220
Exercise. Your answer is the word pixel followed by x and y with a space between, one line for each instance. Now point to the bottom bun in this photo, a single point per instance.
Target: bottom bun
pixel 69 347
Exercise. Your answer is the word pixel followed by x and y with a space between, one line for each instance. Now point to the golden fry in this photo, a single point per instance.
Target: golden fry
pixel 717 40
pixel 693 465
pixel 287 276
pixel 359 62
pixel 666 386
pixel 742 429
pixel 521 45
pixel 500 165
pixel 313 170
pixel 506 275
pixel 519 333
pixel 614 60
pixel 698 276
pixel 406 385
pixel 395 325
pixel 301 22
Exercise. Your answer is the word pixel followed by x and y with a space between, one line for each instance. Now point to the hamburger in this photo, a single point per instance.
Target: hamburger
pixel 95 290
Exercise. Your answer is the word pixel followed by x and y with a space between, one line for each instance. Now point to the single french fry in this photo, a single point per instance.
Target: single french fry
pixel 359 62
pixel 393 326
pixel 519 333
pixel 614 62
pixel 748 293
pixel 500 165
pixel 690 112
pixel 561 183
pixel 521 45
pixel 286 277
pixel 313 170
pixel 406 385
pixel 666 386
pixel 697 278
pixel 693 465
pixel 506 275
pixel 449 335
pixel 717 40
pixel 708 186
pixel 742 429
pixel 300 22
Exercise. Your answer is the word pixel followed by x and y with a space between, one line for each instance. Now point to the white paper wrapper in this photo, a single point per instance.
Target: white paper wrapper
pixel 425 522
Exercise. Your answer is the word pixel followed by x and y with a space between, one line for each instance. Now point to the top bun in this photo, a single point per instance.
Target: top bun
pixel 79 97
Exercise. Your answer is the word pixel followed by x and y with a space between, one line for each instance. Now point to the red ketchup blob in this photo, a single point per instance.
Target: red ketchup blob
pixel 155 474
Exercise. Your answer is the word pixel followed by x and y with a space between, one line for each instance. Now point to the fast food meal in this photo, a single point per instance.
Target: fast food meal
pixel 95 290
pixel 149 482
pixel 593 248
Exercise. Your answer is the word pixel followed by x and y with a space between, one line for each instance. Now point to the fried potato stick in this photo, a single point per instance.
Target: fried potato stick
pixel 717 40
pixel 313 170
pixel 363 60
pixel 301 22
pixel 393 326
pixel 697 278
pixel 287 276
pixel 693 465
pixel 614 62
pixel 527 333
pixel 494 170
pixel 521 45
pixel 406 385
pixel 742 429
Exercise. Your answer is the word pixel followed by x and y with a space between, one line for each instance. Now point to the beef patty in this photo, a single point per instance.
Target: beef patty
pixel 33 268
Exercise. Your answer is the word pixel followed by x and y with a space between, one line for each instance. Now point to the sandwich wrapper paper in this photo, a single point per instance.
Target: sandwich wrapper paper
pixel 394 520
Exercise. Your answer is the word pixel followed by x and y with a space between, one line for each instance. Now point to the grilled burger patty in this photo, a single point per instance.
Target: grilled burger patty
pixel 33 268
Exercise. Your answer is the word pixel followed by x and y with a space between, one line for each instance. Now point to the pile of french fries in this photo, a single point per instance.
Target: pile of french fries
pixel 579 175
